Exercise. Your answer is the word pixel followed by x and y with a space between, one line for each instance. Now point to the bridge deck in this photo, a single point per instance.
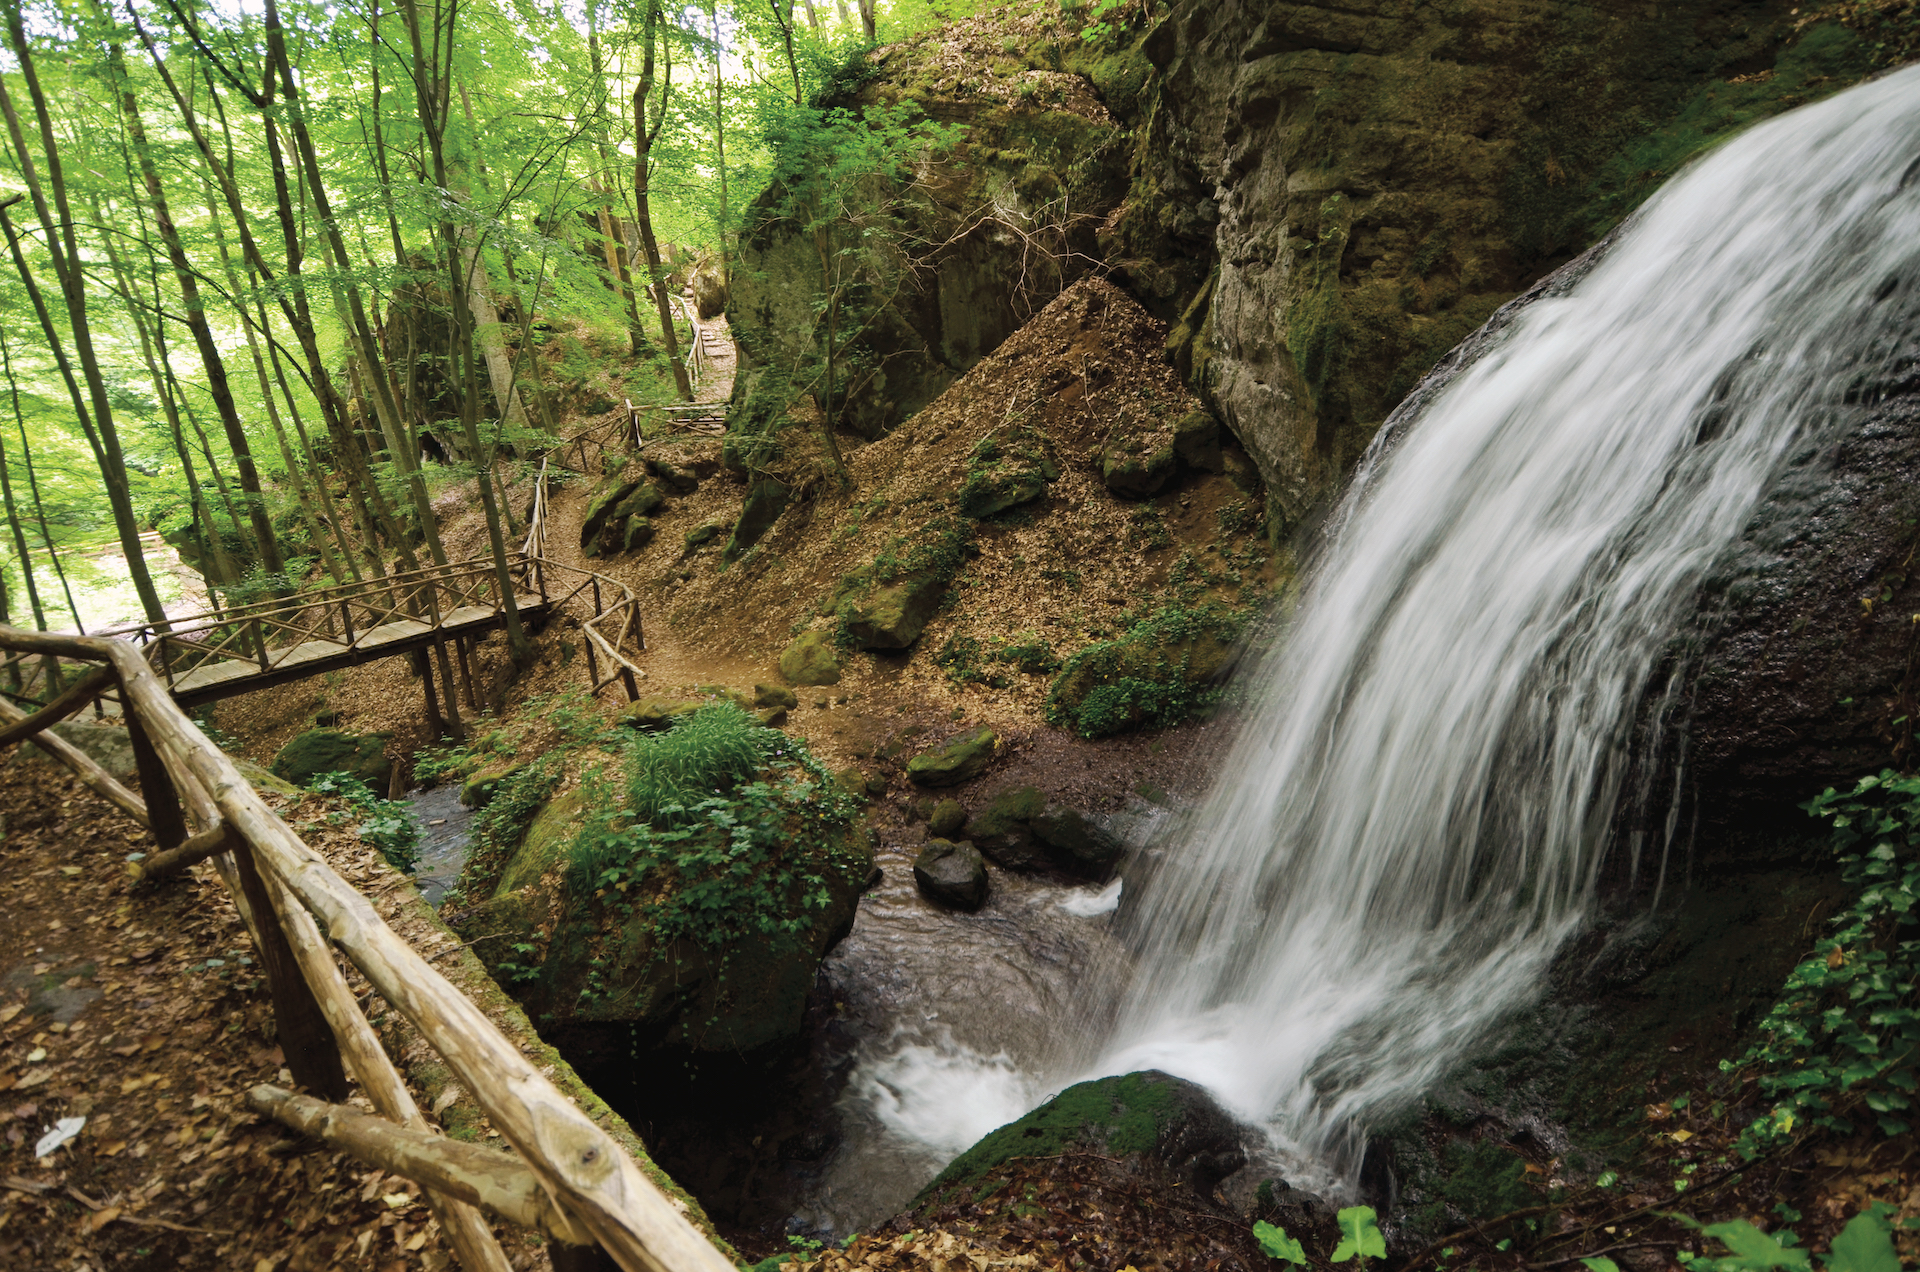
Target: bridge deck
pixel 230 676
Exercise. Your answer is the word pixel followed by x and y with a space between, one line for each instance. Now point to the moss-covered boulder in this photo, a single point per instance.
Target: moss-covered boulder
pixel 894 614
pixel 811 660
pixel 639 533
pixel 686 884
pixel 1196 441
pixel 1160 672
pixel 960 760
pixel 946 819
pixel 1076 844
pixel 1003 829
pixel 657 711
pixel 319 751
pixel 1161 1124
pixel 766 499
pixel 1005 469
pixel 775 696
pixel 600 507
pixel 484 783
pixel 1139 465
pixel 951 874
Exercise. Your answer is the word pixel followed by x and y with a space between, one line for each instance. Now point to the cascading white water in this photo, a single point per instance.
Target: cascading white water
pixel 1411 823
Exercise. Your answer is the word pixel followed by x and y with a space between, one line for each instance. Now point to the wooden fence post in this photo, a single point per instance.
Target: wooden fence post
pixel 164 817
pixel 313 1057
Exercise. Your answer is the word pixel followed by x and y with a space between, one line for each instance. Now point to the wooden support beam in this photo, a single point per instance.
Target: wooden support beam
pixel 492 1180
pixel 96 779
pixel 163 802
pixel 313 1057
pixel 585 1170
pixel 197 848
pixel 71 699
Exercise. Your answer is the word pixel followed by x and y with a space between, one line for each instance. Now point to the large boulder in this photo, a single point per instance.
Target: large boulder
pixel 960 760
pixel 1077 844
pixel 811 660
pixel 601 506
pixel 893 615
pixel 951 874
pixel 708 283
pixel 319 751
pixel 1003 828
pixel 1156 674
pixel 610 910
pixel 1163 1127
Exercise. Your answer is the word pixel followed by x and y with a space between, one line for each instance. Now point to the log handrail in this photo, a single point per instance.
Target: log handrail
pixel 595 1188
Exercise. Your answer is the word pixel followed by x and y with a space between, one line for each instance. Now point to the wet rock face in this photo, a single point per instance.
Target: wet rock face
pixel 1370 180
pixel 951 874
pixel 1809 676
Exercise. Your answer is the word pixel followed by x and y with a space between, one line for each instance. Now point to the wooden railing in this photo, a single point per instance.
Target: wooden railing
pixel 616 611
pixel 570 1180
pixel 347 615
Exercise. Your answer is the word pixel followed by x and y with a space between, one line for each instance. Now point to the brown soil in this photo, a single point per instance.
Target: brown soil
pixel 143 1011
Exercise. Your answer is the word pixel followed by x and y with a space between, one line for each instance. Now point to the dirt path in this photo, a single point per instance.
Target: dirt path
pixel 144 1013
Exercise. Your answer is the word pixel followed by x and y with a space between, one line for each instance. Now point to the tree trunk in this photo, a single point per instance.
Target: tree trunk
pixel 643 148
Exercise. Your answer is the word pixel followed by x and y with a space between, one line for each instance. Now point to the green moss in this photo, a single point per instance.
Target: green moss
pixel 1483 1180
pixel 1157 674
pixel 1125 1115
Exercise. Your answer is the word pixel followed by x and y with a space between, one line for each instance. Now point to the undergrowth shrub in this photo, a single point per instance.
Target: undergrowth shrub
pixel 1845 1034
pixel 388 826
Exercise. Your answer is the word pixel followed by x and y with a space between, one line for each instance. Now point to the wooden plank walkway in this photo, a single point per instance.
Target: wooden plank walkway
pixel 228 677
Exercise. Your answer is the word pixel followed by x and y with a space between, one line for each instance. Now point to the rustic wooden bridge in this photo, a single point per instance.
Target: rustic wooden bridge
pixel 205 657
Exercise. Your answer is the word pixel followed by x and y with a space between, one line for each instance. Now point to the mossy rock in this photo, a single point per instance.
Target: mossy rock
pixel 643 501
pixel 657 711
pixel 766 500
pixel 265 779
pixel 951 874
pixel 543 848
pixel 1196 440
pixel 601 506
pixel 946 819
pixel 1160 1120
pixel 682 481
pixel 1004 471
pixel 775 696
pixel 1075 844
pixel 319 751
pixel 853 780
pixel 894 615
pixel 961 760
pixel 744 701
pixel 482 785
pixel 1138 467
pixel 1002 830
pixel 811 660
pixel 1155 675
pixel 701 535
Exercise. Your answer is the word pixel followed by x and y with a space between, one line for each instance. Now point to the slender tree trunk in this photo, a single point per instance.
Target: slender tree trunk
pixel 202 331
pixel 20 542
pixel 433 116
pixel 720 137
pixel 643 140
pixel 33 482
pixel 62 247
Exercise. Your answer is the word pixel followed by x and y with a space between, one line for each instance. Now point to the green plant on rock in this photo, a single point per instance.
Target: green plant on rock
pixel 1155 675
pixel 726 835
pixel 388 826
pixel 1846 1031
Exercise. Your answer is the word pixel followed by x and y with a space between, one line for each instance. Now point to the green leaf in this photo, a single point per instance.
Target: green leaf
pixel 1608 1178
pixel 1864 1246
pixel 1599 1264
pixel 1754 1250
pixel 1359 1234
pixel 1277 1244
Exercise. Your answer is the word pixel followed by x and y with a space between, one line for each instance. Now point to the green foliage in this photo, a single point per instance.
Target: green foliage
pixel 389 824
pixel 1275 1242
pixel 1846 1030
pixel 1360 1236
pixel 1149 677
pixel 702 852
pixel 968 659
pixel 1864 1245
pixel 497 828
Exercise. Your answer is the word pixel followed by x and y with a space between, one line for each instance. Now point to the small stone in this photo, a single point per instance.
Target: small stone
pixel 772 717
pixel 811 660
pixel 960 760
pixel 702 534
pixel 946 818
pixel 1196 440
pixel 951 874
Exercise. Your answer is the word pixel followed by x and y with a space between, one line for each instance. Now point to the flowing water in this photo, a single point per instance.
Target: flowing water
pixel 1412 821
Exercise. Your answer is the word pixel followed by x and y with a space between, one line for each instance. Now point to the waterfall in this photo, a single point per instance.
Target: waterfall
pixel 1411 823
pixel 1413 817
